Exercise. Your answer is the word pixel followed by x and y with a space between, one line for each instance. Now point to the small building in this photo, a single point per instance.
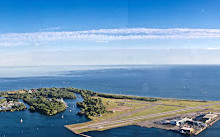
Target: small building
pixel 174 122
pixel 10 103
pixel 179 121
pixel 29 91
pixel 34 90
pixel 200 123
pixel 208 117
pixel 187 130
pixel 99 127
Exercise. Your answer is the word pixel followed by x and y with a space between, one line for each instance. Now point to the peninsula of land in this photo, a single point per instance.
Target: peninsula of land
pixel 183 116
pixel 108 111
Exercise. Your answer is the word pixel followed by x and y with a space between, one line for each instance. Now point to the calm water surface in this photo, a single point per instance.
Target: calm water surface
pixel 188 82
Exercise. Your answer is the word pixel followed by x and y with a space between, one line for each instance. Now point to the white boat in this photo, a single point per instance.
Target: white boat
pixel 182 132
pixel 21 120
pixel 70 110
pixel 62 116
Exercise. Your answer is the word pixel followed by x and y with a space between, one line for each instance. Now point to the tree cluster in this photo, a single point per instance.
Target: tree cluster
pixel 45 105
pixel 19 107
pixel 127 97
pixel 54 93
pixel 91 106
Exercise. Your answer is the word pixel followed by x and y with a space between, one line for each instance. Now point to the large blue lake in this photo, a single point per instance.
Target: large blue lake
pixel 187 82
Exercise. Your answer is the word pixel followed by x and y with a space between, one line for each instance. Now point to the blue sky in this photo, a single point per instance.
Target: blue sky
pixel 103 32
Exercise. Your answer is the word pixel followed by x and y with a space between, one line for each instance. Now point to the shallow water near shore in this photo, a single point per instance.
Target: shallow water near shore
pixel 186 82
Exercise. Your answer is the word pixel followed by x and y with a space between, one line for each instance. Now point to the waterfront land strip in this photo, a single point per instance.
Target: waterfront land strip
pixel 108 111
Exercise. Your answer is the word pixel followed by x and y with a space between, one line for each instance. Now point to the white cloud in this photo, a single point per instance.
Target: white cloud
pixel 11 43
pixel 16 39
pixel 54 28
pixel 212 48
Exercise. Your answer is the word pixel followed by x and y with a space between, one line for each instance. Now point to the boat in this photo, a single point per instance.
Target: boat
pixel 70 110
pixel 21 120
pixel 62 116
pixel 182 132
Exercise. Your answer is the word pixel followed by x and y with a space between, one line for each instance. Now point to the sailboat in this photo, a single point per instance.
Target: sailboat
pixel 21 120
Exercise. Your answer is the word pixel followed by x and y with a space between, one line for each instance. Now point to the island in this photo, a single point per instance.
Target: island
pixel 48 101
pixel 106 111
